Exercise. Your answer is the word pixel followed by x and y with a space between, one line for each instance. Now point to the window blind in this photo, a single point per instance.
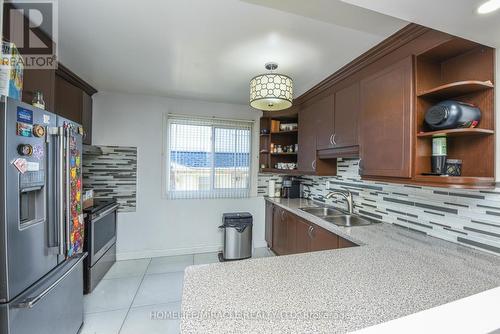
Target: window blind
pixel 208 158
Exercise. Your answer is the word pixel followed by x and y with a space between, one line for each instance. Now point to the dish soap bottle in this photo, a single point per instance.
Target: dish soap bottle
pixel 38 100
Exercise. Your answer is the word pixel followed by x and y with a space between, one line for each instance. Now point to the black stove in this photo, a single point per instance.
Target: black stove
pixel 100 240
pixel 100 204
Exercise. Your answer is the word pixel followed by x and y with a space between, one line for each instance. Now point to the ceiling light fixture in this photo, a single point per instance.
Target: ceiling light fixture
pixel 489 6
pixel 271 91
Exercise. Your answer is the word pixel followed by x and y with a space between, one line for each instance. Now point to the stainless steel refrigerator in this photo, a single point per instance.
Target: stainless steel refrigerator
pixel 41 222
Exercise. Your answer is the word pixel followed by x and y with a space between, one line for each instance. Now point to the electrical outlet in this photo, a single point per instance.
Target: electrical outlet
pixel 328 185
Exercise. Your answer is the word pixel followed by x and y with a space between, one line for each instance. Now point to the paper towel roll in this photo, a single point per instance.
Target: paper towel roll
pixel 271 188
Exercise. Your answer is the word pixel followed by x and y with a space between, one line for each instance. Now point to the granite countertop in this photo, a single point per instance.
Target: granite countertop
pixel 394 272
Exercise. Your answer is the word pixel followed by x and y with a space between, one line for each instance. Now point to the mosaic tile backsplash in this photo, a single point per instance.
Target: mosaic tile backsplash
pixel 467 217
pixel 112 172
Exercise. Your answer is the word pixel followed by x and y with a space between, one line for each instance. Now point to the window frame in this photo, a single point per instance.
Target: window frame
pixel 213 193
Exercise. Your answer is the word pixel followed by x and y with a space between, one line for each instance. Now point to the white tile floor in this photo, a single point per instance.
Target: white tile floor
pixel 132 291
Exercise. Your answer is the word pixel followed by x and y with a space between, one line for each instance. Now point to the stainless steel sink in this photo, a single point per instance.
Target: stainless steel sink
pixel 322 211
pixel 348 220
pixel 337 217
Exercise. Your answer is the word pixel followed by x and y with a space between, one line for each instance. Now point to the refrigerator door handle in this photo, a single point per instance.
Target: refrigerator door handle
pixel 31 302
pixel 68 187
pixel 54 242
pixel 61 190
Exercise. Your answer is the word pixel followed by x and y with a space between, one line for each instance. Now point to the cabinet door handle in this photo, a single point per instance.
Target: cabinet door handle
pixel 333 139
pixel 282 215
pixel 311 233
pixel 313 164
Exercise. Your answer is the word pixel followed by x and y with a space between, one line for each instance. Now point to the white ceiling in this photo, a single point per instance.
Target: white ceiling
pixel 457 17
pixel 209 49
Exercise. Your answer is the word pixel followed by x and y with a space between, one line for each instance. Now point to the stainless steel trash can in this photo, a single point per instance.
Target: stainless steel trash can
pixel 237 235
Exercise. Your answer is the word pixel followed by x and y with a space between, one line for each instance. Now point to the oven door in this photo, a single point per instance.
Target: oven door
pixel 102 233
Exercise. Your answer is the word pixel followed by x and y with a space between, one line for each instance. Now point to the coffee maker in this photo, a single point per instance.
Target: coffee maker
pixel 291 187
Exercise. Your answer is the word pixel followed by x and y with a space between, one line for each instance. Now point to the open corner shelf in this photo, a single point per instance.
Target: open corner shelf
pixel 281 171
pixel 284 153
pixel 270 122
pixel 458 132
pixel 464 71
pixel 449 49
pixel 456 181
pixel 455 89
pixel 285 132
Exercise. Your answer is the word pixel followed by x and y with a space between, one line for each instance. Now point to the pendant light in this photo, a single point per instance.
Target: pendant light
pixel 271 91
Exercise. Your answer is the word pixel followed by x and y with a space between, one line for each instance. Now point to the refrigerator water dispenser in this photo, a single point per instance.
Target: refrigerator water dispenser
pixel 31 198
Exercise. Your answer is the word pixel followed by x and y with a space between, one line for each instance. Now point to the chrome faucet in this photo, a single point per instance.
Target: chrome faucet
pixel 347 195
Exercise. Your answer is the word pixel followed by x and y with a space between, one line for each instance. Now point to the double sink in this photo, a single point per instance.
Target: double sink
pixel 337 217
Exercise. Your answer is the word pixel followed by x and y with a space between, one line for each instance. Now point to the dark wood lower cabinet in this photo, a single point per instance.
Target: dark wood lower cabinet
pixel 344 243
pixel 269 224
pixel 292 234
pixel 279 232
pixel 322 239
pixel 302 236
pixel 283 239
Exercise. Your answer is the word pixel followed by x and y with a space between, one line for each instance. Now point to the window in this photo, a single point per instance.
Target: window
pixel 208 158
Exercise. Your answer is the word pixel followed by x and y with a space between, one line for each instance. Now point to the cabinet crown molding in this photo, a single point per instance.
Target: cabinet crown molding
pixel 393 42
pixel 74 79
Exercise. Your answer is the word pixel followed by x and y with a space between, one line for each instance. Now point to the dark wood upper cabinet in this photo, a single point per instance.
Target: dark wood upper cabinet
pixel 323 110
pixel 399 80
pixel 87 118
pixel 344 141
pixel 69 100
pixel 39 80
pixel 386 121
pixel 310 127
pixel 73 100
pixel 306 158
pixel 75 104
pixel 346 114
pixel 374 109
pixel 269 224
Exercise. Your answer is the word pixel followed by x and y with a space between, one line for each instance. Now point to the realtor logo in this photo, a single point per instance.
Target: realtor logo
pixel 32 28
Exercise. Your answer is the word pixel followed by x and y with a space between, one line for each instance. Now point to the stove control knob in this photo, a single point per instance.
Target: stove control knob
pixel 25 149
pixel 38 130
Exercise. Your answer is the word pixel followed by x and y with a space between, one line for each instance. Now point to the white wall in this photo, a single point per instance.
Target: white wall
pixel 163 227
